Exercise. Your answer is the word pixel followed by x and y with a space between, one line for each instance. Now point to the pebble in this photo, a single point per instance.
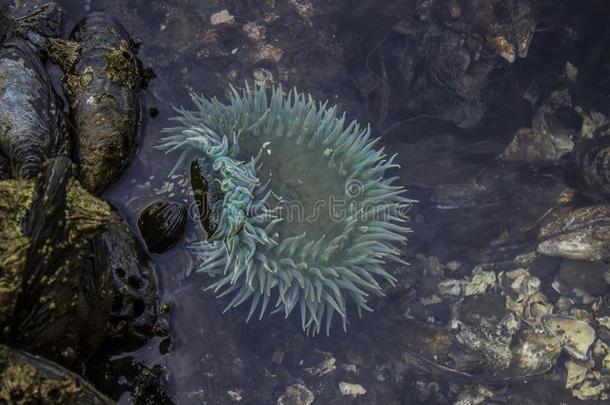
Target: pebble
pixel 222 18
pixel 351 390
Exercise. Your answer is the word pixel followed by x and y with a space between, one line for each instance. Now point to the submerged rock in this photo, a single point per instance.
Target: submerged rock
pixel 296 394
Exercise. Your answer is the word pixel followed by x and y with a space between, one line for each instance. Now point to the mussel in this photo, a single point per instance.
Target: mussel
pixel 32 123
pixel 162 225
pixel 102 84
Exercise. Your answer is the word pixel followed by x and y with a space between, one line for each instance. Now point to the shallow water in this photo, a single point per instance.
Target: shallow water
pixel 361 64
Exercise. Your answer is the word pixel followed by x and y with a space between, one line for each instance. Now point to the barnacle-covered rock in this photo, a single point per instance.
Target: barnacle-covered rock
pixel 26 379
pixel 55 278
pixel 162 225
pixel 102 84
pixel 32 123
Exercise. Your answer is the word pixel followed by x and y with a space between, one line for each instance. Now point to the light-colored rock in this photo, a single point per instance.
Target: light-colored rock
pixel 480 282
pixel 576 337
pixel 296 394
pixel 222 17
pixel 351 390
pixel 577 372
pixel 328 365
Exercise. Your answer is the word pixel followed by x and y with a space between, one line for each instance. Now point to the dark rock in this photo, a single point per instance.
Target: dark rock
pixel 585 275
pixel 135 309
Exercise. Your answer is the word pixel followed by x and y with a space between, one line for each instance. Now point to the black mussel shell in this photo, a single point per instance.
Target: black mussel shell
pixel 207 194
pixel 162 225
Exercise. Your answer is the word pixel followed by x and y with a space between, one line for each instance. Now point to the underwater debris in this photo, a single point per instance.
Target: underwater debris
pixel 273 155
pixel 296 394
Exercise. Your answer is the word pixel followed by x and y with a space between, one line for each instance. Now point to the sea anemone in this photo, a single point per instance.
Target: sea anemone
pixel 308 217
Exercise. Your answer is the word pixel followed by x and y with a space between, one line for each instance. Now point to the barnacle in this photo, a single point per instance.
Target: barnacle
pixel 308 217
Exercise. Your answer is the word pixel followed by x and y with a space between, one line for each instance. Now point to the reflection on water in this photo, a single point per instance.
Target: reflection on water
pixel 434 79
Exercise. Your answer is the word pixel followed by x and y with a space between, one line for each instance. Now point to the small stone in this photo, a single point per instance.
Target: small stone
pixel 453 265
pixel 222 18
pixel 480 282
pixel 606 362
pixel 254 31
pixel 328 365
pixel 351 390
pixel 450 287
pixel 571 72
pixel 604 321
pixel 296 394
pixel 267 52
pixel 235 396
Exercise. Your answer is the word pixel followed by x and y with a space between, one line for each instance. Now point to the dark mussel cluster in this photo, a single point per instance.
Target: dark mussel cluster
pixel 72 274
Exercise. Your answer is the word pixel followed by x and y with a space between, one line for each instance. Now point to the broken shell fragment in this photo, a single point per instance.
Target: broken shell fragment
pixel 351 390
pixel 576 337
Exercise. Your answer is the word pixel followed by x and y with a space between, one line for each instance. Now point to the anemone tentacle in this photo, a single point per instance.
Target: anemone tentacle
pixel 272 154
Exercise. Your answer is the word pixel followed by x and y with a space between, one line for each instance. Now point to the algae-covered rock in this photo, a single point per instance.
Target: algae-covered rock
pixel 27 379
pixel 55 275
